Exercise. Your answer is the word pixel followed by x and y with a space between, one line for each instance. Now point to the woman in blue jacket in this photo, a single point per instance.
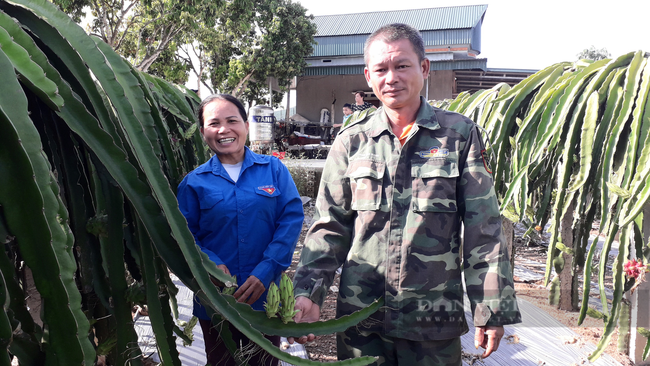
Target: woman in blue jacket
pixel 245 213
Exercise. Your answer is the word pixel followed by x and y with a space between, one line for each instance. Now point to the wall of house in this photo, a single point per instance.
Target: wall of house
pixel 441 85
pixel 314 93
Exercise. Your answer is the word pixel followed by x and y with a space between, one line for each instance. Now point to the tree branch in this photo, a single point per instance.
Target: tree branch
pixel 120 20
pixel 125 32
pixel 236 92
pixel 165 38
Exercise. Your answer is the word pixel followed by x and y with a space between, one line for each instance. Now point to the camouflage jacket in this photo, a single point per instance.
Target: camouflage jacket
pixel 392 215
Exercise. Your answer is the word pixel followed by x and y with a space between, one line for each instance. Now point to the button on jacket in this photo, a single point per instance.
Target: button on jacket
pixel 251 226
pixel 392 215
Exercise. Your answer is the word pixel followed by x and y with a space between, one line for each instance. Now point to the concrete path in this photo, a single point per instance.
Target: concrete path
pixel 539 340
pixel 192 355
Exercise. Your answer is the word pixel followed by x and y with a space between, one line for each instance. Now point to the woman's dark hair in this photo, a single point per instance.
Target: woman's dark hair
pixel 361 94
pixel 226 97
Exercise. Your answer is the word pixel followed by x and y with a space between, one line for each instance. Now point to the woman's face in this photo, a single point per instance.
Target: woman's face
pixel 225 131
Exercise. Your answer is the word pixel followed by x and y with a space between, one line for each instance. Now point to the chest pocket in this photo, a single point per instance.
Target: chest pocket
pixel 209 200
pixel 366 176
pixel 264 203
pixel 434 186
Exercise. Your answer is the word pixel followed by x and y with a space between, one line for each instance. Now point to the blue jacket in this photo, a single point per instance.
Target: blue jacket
pixel 251 226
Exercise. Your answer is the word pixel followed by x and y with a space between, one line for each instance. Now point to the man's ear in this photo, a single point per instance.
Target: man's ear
pixel 426 67
pixel 366 73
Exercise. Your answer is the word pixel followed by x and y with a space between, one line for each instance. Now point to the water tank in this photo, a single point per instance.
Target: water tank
pixel 260 123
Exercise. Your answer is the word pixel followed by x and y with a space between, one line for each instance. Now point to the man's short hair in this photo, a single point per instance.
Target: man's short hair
pixel 347 105
pixel 395 32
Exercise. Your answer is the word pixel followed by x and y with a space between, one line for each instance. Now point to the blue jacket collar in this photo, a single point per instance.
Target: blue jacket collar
pixel 214 165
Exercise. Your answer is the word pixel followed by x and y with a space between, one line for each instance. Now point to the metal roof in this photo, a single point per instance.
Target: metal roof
pixel 469 64
pixel 353 44
pixel 473 80
pixel 335 70
pixel 454 17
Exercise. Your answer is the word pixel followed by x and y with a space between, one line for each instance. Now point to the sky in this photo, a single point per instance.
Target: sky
pixel 523 34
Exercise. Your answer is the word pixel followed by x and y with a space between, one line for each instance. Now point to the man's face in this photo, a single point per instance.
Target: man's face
pixel 347 111
pixel 395 73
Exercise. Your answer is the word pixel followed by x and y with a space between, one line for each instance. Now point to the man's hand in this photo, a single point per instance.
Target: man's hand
pixel 250 291
pixel 309 313
pixel 489 338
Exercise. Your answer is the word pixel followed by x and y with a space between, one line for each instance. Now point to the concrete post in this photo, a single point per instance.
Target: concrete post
pixel 509 233
pixel 568 277
pixel 287 112
pixel 640 302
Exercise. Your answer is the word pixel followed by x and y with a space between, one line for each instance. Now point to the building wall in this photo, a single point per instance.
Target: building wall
pixel 314 93
pixel 441 85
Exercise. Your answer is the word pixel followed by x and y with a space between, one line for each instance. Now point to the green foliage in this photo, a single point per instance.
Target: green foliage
pixel 169 67
pixel 91 151
pixel 278 37
pixel 232 46
pixel 574 134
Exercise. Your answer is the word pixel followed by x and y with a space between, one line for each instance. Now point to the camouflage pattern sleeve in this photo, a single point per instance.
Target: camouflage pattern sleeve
pixel 487 271
pixel 328 240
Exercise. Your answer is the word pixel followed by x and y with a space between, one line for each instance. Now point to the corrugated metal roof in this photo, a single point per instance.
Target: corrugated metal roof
pixel 455 17
pixel 446 37
pixel 336 70
pixel 339 46
pixel 516 71
pixel 471 64
pixel 353 44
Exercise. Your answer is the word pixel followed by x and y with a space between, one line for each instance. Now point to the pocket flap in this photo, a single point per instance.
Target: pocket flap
pixel 449 169
pixel 369 168
pixel 209 200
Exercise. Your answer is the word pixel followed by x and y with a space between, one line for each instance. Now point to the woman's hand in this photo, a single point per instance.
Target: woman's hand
pixel 224 268
pixel 250 291
pixel 215 281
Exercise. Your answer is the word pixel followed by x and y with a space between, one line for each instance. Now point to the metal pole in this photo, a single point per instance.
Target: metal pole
pixel 287 114
pixel 640 304
pixel 427 92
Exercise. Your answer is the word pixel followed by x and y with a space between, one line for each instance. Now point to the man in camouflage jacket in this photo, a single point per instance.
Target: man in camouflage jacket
pixel 392 201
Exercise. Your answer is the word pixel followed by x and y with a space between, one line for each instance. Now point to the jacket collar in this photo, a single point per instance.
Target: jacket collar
pixel 426 118
pixel 214 165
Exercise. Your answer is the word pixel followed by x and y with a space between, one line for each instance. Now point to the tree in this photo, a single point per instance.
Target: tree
pixel 592 53
pixel 232 46
pixel 284 29
pixel 141 30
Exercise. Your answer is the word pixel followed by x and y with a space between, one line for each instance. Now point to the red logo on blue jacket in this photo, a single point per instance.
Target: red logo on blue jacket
pixel 268 189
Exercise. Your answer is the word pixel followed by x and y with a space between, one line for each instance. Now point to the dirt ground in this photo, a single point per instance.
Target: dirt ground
pixel 324 348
